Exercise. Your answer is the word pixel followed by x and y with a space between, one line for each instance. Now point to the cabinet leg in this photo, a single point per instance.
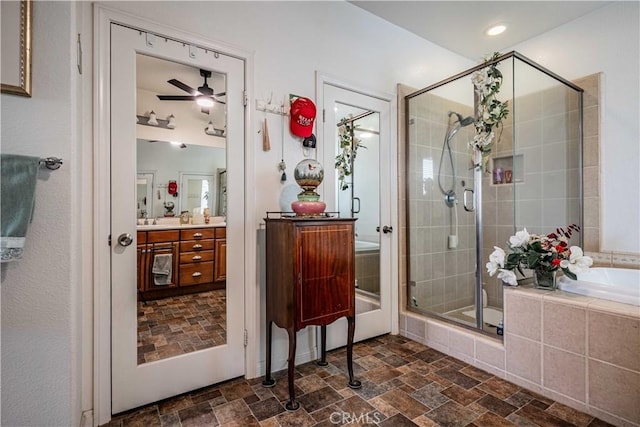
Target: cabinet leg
pixel 351 322
pixel 291 405
pixel 268 381
pixel 323 346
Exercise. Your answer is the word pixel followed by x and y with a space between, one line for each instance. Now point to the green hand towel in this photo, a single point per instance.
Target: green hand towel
pixel 18 176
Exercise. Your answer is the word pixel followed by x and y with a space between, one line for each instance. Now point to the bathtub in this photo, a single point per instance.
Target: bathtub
pixel 613 284
pixel 363 246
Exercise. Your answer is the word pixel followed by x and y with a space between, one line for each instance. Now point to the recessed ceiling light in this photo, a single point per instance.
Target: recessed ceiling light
pixel 496 29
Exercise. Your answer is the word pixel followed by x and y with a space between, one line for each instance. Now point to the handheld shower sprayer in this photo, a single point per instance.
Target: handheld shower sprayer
pixel 460 122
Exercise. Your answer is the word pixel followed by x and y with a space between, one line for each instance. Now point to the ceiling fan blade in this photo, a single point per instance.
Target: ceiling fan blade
pixel 220 94
pixel 184 87
pixel 219 102
pixel 176 98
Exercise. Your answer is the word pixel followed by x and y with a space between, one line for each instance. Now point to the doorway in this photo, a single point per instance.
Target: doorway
pixel 132 383
pixel 357 138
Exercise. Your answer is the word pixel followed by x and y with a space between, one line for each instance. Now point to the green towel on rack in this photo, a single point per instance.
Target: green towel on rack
pixel 18 175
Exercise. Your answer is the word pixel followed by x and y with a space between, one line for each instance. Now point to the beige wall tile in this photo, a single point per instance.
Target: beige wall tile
pixel 415 326
pixel 564 372
pixel 591 151
pixel 564 326
pixel 490 352
pixel 522 316
pixel 524 358
pixel 591 179
pixel 461 342
pixel 591 239
pixel 591 86
pixel 592 212
pixel 614 339
pixel 437 332
pixel 591 121
pixel 614 390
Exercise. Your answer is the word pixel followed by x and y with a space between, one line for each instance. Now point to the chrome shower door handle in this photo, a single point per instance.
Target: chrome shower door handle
pixel 355 211
pixel 469 207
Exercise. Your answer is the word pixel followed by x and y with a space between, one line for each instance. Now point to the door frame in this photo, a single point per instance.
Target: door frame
pixel 324 78
pixel 103 17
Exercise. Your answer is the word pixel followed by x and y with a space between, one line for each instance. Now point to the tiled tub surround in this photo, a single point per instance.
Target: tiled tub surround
pixel 582 352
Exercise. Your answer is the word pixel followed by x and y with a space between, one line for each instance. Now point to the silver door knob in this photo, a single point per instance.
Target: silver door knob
pixel 125 239
pixel 386 229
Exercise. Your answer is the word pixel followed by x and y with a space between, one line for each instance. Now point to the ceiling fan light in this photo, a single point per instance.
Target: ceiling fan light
pixel 204 101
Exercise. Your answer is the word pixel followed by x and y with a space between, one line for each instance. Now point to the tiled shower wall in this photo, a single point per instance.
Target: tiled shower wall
pixel 442 278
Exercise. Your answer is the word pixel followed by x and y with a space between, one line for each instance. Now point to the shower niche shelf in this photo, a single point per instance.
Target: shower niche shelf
pixel 512 165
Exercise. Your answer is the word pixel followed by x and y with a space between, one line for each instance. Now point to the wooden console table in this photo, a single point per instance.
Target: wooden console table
pixel 310 281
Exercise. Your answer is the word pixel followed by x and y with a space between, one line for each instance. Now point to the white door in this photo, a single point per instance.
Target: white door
pixel 135 384
pixel 364 194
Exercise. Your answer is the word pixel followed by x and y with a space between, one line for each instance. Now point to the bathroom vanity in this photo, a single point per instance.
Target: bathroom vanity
pixel 198 259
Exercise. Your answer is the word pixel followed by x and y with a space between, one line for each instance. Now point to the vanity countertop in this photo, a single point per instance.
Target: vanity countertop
pixel 178 226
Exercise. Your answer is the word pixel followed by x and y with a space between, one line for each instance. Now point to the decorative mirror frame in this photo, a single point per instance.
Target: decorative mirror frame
pixel 22 87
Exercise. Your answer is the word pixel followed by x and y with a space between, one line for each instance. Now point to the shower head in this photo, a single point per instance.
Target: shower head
pixel 466 121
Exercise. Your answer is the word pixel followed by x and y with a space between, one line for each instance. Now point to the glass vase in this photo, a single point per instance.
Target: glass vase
pixel 544 279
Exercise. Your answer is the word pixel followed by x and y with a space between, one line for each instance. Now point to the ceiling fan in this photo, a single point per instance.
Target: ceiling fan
pixel 204 95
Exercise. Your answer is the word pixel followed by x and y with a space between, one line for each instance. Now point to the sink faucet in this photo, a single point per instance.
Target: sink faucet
pixel 146 219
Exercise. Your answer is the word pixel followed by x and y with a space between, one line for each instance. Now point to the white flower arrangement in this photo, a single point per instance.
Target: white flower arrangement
pixel 547 252
pixel 349 145
pixel 490 111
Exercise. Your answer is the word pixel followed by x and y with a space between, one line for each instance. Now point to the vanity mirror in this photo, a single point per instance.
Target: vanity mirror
pixel 195 169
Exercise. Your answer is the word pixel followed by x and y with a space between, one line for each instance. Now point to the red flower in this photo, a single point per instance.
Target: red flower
pixel 555 262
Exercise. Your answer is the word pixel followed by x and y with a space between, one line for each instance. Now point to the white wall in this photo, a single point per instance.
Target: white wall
pixel 42 300
pixel 41 369
pixel 608 41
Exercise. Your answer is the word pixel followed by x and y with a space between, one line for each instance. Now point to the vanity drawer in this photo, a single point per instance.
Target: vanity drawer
pixel 162 236
pixel 221 232
pixel 196 234
pixel 196 257
pixel 141 237
pixel 196 245
pixel 194 274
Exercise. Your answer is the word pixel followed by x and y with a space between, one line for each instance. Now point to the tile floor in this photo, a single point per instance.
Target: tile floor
pixel 172 326
pixel 404 383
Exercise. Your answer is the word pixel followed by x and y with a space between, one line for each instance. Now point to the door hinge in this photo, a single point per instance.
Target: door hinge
pixel 246 338
pixel 109 240
pixel 79 54
pixel 323 116
pixel 245 98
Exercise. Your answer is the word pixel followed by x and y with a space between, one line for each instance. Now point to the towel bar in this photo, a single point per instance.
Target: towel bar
pixel 52 163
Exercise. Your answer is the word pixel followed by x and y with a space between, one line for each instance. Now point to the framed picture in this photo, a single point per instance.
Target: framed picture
pixel 16 46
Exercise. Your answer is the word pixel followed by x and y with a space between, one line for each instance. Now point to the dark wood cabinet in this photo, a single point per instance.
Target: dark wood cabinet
pixel 310 272
pixel 194 259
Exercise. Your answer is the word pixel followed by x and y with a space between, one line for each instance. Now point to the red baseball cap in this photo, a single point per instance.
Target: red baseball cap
pixel 303 114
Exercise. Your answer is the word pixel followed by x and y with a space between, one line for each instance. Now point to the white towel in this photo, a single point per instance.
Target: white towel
pixel 161 269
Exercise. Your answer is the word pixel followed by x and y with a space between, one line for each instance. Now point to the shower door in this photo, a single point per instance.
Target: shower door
pixel 441 205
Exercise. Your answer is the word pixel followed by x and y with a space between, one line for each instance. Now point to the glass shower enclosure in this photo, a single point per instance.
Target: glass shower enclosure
pixel 456 212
